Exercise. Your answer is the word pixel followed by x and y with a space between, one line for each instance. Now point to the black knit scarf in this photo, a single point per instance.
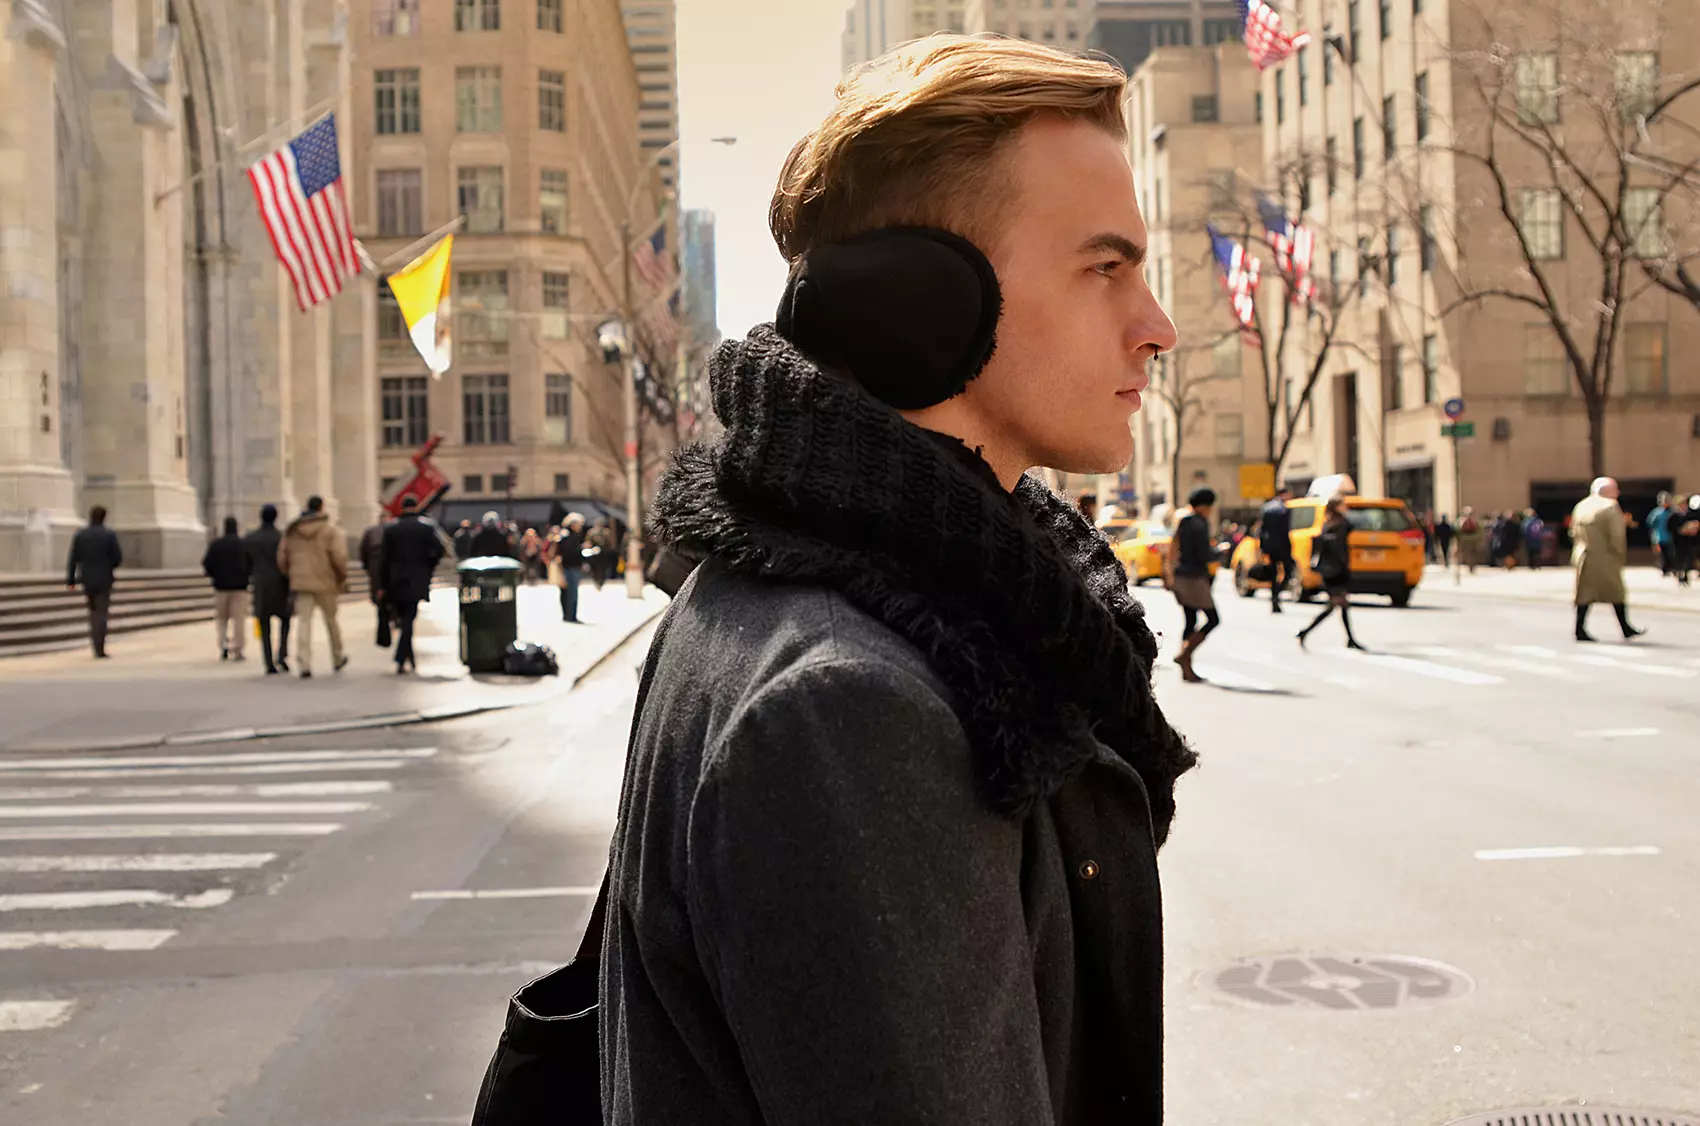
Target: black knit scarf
pixel 1015 600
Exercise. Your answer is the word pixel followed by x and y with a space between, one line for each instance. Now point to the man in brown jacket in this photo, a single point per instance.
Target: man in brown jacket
pixel 314 558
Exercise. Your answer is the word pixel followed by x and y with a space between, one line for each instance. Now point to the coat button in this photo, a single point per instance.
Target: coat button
pixel 1089 870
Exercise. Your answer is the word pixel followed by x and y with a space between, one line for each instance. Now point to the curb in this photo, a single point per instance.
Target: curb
pixel 330 727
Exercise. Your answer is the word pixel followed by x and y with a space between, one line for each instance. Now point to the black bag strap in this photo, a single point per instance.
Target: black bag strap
pixel 590 946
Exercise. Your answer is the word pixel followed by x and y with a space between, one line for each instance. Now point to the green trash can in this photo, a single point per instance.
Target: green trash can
pixel 489 610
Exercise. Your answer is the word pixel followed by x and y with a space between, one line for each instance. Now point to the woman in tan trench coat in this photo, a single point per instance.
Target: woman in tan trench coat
pixel 1600 548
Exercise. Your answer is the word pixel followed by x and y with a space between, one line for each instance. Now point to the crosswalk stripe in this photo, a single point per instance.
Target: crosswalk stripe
pixel 248 770
pixel 1494 661
pixel 1599 660
pixel 1421 668
pixel 1339 680
pixel 33 1016
pixel 163 831
pixel 86 940
pixel 118 897
pixel 212 760
pixel 184 809
pixel 138 862
pixel 1530 650
pixel 214 790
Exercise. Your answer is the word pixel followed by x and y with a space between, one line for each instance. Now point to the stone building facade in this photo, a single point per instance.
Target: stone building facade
pixel 152 358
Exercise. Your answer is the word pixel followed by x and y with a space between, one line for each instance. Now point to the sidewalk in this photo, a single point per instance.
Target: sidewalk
pixel 1647 588
pixel 168 685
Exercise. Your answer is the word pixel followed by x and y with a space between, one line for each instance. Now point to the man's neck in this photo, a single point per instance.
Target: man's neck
pixel 956 420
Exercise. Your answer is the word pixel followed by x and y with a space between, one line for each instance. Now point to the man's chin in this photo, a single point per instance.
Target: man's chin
pixel 1091 460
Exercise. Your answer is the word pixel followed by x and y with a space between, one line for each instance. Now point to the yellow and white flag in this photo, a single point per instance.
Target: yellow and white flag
pixel 421 289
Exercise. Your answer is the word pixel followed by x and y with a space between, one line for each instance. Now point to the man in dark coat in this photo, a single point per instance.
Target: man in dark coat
pixel 1276 541
pixel 226 564
pixel 372 562
pixel 95 555
pixel 887 845
pixel 411 549
pixel 492 539
pixel 272 597
pixel 463 540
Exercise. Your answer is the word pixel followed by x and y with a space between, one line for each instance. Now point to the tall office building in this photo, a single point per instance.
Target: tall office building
pixel 873 27
pixel 653 34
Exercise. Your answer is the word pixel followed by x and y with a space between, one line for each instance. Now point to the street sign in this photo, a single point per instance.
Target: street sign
pixel 1257 480
pixel 1458 430
pixel 1454 409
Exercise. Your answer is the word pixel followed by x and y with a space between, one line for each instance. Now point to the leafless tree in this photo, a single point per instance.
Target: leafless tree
pixel 1179 382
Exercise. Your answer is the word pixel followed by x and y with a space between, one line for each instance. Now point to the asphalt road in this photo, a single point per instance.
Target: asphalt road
pixel 1349 807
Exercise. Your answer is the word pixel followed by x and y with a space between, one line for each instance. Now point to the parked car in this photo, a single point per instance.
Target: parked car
pixel 1386 543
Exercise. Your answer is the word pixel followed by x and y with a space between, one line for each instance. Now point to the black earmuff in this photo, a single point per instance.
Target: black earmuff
pixel 910 313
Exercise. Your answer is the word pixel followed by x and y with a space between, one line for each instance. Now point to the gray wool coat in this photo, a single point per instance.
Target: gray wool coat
pixel 814 920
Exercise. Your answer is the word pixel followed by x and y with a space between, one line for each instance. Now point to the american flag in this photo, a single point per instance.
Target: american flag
pixel 1239 275
pixel 1265 42
pixel 1295 248
pixel 304 204
pixel 651 261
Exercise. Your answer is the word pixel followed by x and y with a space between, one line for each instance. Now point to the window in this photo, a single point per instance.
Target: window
pixel 1644 349
pixel 1157 199
pixel 478 15
pixel 401 210
pixel 1354 32
pixel 1331 163
pixel 481 310
pixel 1358 147
pixel 1543 222
pixel 1375 518
pixel 557 298
pixel 472 483
pixel 1537 88
pixel 1431 368
pixel 1327 66
pixel 395 100
pixel 552 101
pixel 1221 31
pixel 386 485
pixel 1396 378
pixel 484 407
pixel 552 202
pixel 1425 238
pixel 1389 127
pixel 1334 271
pixel 1204 108
pixel 406 407
pixel 391 324
pixel 478 99
pixel 1230 434
pixel 1259 97
pixel 1385 18
pixel 1416 7
pixel 551 15
pixel 1643 216
pixel 480 196
pixel 563 484
pixel 1225 357
pixel 1422 106
pixel 1545 370
pixel 1392 256
pixel 395 17
pixel 1637 83
pixel 558 409
pixel 1366 266
pixel 1304 76
pixel 1280 95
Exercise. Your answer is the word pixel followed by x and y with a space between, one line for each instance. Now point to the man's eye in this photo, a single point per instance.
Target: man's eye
pixel 1108 268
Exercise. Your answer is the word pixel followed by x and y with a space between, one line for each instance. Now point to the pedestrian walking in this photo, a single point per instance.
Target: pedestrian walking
pixel 372 562
pixel 315 559
pixel 272 596
pixel 226 564
pixel 491 539
pixel 1599 551
pixel 531 555
pixel 566 564
pixel 604 545
pixel 1088 505
pixel 1443 533
pixel 1191 555
pixel 1276 541
pixel 1469 539
pixel 1331 559
pixel 1534 539
pixel 463 541
pixel 1685 537
pixel 94 560
pixel 1659 533
pixel 945 708
pixel 412 547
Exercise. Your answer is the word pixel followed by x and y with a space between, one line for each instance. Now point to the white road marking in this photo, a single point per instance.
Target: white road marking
pixel 1339 680
pixel 1421 668
pixel 507 893
pixel 144 832
pixel 251 769
pixel 1529 650
pixel 184 809
pixel 1604 662
pixel 1512 664
pixel 1618 733
pixel 211 790
pixel 85 940
pixel 1562 852
pixel 209 761
pixel 126 897
pixel 33 1016
pixel 138 862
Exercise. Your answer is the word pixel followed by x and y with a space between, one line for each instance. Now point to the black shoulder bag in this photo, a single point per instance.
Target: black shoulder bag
pixel 548 1063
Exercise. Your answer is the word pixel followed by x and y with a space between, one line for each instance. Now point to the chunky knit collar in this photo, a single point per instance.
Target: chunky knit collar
pixel 1017 603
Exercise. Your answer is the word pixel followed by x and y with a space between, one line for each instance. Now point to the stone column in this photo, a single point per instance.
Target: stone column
pixel 36 490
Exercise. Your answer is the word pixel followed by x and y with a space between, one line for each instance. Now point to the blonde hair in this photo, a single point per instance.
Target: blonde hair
pixel 915 136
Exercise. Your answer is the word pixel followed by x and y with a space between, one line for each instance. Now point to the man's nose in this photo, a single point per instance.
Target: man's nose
pixel 1151 326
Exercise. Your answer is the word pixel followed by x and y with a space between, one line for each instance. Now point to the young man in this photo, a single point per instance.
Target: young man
pixel 314 558
pixel 408 553
pixel 1189 577
pixel 95 555
pixel 272 597
pixel 887 844
pixel 1276 541
pixel 226 564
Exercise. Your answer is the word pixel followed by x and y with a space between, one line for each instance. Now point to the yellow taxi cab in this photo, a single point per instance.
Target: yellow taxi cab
pixel 1142 548
pixel 1386 543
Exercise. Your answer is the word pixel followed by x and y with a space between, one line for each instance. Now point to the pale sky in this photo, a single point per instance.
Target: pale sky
pixel 761 71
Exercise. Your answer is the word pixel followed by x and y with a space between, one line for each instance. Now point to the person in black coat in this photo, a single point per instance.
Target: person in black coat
pixel 1331 558
pixel 1276 541
pixel 372 562
pixel 95 556
pixel 411 549
pixel 272 598
pixel 492 539
pixel 226 564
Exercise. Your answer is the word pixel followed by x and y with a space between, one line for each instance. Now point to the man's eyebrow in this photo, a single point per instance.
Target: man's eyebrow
pixel 1115 244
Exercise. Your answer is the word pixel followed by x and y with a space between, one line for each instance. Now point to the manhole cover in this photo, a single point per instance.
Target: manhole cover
pixel 1576 1116
pixel 1320 981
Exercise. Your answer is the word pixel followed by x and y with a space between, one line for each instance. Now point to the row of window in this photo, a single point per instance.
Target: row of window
pixel 482 309
pixel 402 17
pixel 484 410
pixel 1025 4
pixel 478 100
pixel 479 195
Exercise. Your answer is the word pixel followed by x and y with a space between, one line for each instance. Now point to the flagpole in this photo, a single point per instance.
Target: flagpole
pixel 407 253
pixel 311 114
